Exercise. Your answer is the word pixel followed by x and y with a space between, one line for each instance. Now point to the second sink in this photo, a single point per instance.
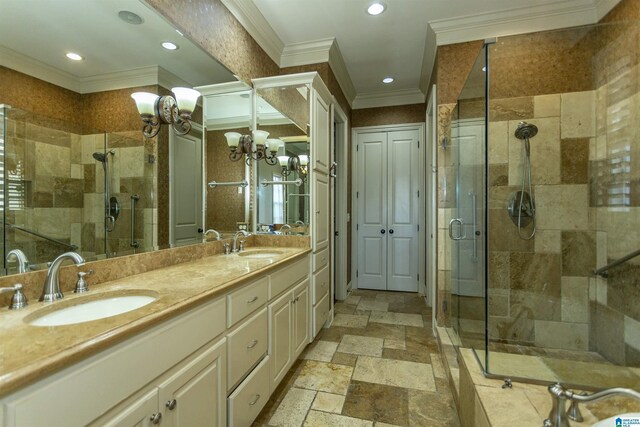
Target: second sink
pixel 91 308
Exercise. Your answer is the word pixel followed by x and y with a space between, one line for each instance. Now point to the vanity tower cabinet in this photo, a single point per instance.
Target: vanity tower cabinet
pixel 318 130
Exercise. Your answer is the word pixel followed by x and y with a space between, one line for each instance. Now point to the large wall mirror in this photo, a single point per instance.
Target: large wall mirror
pixel 228 110
pixel 282 188
pixel 77 174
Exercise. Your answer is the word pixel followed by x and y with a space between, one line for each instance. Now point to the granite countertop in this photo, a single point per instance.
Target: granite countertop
pixel 29 353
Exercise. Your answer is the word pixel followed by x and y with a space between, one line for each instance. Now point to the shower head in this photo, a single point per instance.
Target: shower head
pixel 526 130
pixel 102 157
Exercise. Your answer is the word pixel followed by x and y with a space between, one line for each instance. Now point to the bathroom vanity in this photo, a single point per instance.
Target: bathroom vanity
pixel 210 350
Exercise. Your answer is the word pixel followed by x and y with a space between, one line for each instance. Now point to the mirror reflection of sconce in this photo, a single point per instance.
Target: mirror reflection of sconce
pixel 257 147
pixel 157 110
pixel 299 164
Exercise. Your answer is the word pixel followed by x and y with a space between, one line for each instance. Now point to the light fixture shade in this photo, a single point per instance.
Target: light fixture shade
pixel 146 102
pixel 260 137
pixel 304 159
pixel 233 138
pixel 273 144
pixel 283 160
pixel 186 99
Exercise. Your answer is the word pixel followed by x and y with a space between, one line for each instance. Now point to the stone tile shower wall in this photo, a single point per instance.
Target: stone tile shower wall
pixel 539 288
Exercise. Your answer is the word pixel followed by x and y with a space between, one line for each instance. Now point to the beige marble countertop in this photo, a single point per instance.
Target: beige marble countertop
pixel 29 353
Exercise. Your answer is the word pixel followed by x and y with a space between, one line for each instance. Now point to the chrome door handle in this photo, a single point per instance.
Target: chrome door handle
pixel 460 236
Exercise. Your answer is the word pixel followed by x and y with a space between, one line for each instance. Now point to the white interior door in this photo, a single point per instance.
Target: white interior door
pixel 186 188
pixel 372 211
pixel 388 210
pixel 402 208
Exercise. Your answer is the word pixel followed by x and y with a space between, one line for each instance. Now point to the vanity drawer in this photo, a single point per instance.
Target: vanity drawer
pixel 320 314
pixel 246 402
pixel 245 346
pixel 321 284
pixel 283 279
pixel 320 259
pixel 246 300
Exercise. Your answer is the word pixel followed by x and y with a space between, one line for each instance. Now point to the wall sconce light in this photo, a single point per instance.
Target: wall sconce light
pixel 257 147
pixel 297 164
pixel 157 110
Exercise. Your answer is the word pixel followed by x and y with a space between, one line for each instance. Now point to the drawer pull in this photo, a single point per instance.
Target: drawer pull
pixel 252 300
pixel 252 344
pixel 255 400
pixel 171 404
pixel 155 418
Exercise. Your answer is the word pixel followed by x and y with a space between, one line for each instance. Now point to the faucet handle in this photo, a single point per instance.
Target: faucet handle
pixel 81 284
pixel 227 248
pixel 241 245
pixel 19 300
pixel 574 410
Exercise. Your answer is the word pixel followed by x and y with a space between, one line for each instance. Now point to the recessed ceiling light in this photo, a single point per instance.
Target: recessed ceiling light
pixel 388 80
pixel 376 8
pixel 169 46
pixel 130 17
pixel 74 56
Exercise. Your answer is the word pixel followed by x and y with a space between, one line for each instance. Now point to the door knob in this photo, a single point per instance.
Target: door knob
pixel 391 231
pixel 200 230
pixel 382 231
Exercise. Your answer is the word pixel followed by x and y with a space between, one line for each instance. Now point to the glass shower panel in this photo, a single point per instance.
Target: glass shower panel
pixel 466 229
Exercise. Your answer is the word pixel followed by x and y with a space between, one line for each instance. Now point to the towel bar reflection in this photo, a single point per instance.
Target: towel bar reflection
pixel 297 182
pixel 214 184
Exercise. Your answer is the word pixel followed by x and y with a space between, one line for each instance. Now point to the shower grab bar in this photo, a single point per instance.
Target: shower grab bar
pixel 603 271
pixel 474 257
pixel 42 236
pixel 297 182
pixel 134 243
pixel 214 184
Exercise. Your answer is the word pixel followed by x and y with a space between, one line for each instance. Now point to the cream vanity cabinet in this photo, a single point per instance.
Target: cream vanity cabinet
pixel 318 105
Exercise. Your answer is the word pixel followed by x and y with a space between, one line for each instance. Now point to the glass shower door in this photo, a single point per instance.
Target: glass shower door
pixel 467 226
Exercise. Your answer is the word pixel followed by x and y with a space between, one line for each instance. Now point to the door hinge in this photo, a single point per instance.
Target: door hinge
pixel 418 277
pixel 418 227
pixel 357 273
pixel 357 194
pixel 357 147
pixel 357 226
pixel 418 143
pixel 418 193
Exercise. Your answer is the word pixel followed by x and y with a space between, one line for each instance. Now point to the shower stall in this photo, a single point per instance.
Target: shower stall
pixel 539 167
pixel 64 187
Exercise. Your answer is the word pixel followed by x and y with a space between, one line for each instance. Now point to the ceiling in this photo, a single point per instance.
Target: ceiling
pixel 36 34
pixel 401 42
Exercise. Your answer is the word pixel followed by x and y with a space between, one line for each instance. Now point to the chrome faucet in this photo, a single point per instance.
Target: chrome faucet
pixel 235 239
pixel 285 228
pixel 23 262
pixel 212 231
pixel 51 290
pixel 558 417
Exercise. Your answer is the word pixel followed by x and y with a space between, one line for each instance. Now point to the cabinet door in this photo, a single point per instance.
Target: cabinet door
pixel 280 345
pixel 301 318
pixel 136 414
pixel 196 394
pixel 320 138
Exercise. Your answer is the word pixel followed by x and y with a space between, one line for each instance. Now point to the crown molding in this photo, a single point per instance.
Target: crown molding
pixel 515 21
pixel 388 99
pixel 603 7
pixel 16 61
pixel 313 52
pixel 249 16
pixel 339 68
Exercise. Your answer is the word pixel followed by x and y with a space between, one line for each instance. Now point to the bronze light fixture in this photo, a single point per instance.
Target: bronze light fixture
pixel 157 110
pixel 299 164
pixel 256 147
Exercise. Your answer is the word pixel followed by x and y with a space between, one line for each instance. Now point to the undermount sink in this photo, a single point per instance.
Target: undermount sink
pixel 260 253
pixel 91 307
pixel 631 419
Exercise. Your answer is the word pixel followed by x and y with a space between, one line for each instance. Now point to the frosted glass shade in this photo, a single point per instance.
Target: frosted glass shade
pixel 233 139
pixel 304 160
pixel 146 103
pixel 186 99
pixel 273 144
pixel 283 160
pixel 260 137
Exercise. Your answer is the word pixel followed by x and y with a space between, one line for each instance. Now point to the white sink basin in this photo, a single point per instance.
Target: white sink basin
pixel 86 310
pixel 631 419
pixel 260 253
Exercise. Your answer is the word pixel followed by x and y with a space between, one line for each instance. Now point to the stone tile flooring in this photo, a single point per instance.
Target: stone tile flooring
pixel 377 365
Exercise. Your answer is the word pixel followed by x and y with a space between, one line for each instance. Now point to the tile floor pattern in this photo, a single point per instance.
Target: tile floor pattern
pixel 377 365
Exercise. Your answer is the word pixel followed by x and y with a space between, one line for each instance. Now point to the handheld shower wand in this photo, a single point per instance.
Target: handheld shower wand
pixel 522 206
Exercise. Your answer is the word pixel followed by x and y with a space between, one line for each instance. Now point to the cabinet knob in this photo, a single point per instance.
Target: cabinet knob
pixel 255 400
pixel 252 344
pixel 252 300
pixel 171 404
pixel 155 418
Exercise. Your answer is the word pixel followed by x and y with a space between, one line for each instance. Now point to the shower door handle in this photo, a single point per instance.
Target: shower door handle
pixel 475 225
pixel 460 235
pixel 109 223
